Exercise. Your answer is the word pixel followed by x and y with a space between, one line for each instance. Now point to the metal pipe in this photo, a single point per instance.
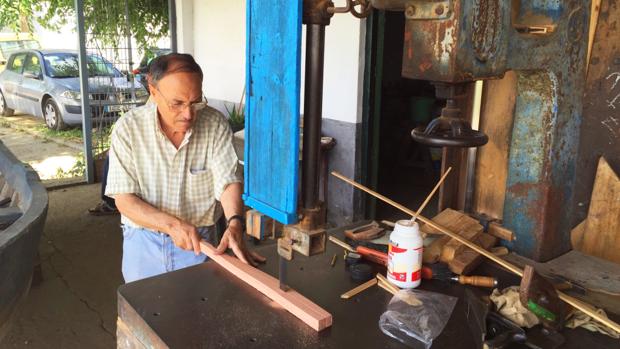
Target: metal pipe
pixel 129 53
pixel 87 127
pixel 472 152
pixel 313 111
pixel 172 23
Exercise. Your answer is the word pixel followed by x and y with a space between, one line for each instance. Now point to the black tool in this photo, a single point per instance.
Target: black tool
pixel 361 272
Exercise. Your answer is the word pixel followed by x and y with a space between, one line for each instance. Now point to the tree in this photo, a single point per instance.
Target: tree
pixel 105 20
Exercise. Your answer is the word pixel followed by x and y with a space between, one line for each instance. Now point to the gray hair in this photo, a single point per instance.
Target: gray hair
pixel 172 63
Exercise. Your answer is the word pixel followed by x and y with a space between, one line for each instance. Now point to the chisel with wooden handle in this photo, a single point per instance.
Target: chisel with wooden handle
pixel 480 281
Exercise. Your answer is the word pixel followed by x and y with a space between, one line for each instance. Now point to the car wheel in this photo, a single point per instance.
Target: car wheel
pixel 4 109
pixel 52 115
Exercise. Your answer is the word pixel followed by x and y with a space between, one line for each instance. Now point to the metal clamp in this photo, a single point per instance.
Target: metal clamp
pixel 424 9
pixel 365 8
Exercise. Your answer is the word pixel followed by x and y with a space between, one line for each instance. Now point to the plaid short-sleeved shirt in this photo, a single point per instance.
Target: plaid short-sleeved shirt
pixel 184 182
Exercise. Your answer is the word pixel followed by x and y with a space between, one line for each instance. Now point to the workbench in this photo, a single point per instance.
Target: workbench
pixel 206 307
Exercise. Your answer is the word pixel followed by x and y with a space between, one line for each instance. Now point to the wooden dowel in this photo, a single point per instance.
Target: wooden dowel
pixel 428 198
pixel 586 308
pixel 341 244
pixel 359 289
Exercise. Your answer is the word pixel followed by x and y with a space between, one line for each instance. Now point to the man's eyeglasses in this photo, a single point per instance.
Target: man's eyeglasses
pixel 178 107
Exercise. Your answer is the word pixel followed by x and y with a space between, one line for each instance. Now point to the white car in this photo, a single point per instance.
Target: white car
pixel 46 84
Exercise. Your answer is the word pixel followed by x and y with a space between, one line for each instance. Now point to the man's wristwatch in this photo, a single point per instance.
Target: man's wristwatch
pixel 237 217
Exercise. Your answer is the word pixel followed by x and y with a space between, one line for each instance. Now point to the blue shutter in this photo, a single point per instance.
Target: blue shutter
pixel 273 65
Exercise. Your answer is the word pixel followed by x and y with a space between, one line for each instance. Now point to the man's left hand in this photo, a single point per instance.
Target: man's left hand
pixel 233 239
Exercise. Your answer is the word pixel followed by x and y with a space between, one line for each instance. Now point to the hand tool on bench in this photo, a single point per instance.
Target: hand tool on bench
pixel 365 232
pixel 440 271
pixel 586 308
pixel 366 253
pixel 541 298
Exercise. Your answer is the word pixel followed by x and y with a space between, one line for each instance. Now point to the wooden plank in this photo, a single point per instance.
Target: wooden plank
pixel 310 313
pixel 501 232
pixel 453 247
pixel 467 259
pixel 576 236
pixel 497 114
pixel 453 220
pixel 273 73
pixel 594 14
pixel 432 252
pixel 601 237
pixel 600 124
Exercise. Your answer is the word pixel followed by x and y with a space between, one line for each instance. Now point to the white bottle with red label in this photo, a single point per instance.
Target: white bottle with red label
pixel 405 255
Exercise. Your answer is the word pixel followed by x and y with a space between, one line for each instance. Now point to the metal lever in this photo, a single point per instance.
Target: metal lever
pixel 449 130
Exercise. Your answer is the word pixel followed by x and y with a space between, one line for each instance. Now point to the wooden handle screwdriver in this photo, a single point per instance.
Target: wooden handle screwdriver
pixel 481 281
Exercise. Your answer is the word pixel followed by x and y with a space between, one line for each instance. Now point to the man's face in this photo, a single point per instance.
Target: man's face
pixel 174 95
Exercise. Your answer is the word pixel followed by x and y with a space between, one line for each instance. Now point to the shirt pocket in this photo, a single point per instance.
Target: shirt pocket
pixel 200 188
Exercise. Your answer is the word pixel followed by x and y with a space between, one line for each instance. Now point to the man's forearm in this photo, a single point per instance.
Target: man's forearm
pixel 231 200
pixel 144 214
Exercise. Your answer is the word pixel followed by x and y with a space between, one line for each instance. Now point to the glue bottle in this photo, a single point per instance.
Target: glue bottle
pixel 405 255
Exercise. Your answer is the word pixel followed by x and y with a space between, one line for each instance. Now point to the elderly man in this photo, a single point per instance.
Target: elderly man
pixel 171 161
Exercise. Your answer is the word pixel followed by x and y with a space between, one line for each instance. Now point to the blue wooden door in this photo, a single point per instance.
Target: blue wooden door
pixel 273 64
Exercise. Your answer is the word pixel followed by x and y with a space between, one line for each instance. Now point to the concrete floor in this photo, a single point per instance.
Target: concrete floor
pixel 50 157
pixel 72 304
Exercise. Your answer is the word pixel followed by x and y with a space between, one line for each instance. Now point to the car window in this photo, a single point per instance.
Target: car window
pixel 98 66
pixel 17 63
pixel 32 66
pixel 65 65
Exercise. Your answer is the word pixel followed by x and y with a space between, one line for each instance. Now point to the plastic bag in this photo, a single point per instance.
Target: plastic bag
pixel 422 322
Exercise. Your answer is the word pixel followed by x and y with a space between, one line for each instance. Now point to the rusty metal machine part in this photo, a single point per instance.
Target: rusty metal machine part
pixel 450 129
pixel 543 42
pixel 351 6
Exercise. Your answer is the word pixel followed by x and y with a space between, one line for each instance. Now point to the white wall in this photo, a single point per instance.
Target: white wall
pixel 344 69
pixel 218 31
pixel 65 39
pixel 219 46
pixel 185 26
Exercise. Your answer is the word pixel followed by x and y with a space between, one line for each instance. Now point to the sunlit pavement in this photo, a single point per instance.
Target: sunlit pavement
pixel 51 160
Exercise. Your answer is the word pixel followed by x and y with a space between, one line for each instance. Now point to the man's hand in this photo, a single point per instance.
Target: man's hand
pixel 233 239
pixel 185 236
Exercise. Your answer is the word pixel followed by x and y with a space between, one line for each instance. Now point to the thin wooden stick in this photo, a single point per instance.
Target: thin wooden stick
pixel 383 280
pixel 342 244
pixel 586 308
pixel 387 288
pixel 359 289
pixel 428 198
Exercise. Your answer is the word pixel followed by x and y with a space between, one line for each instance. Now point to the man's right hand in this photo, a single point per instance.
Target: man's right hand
pixel 185 236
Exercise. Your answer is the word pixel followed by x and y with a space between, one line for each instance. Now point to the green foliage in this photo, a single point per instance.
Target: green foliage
pixel 105 20
pixel 77 170
pixel 71 134
pixel 236 118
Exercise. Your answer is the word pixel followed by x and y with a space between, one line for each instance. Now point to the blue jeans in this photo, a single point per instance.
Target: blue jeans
pixel 148 253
